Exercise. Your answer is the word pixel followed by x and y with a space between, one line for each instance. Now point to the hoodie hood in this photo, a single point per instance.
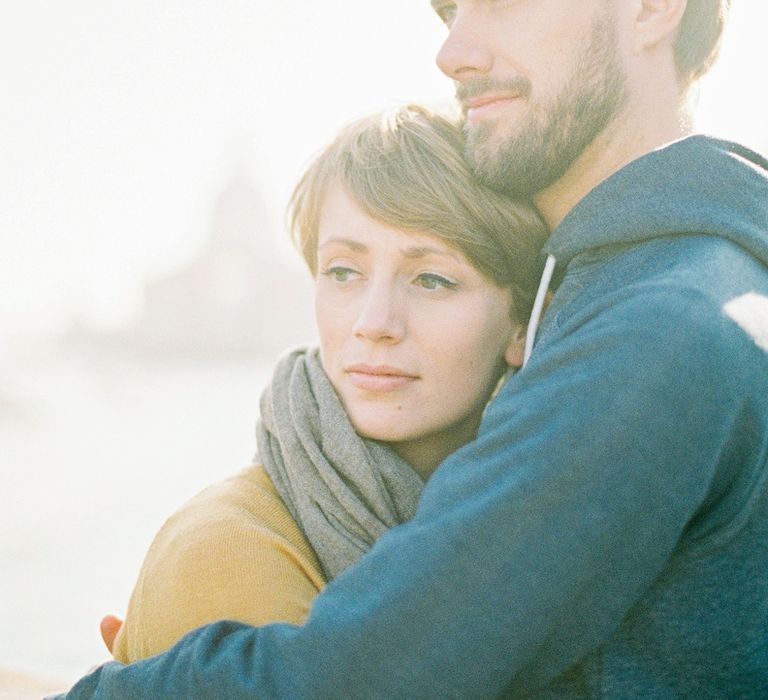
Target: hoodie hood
pixel 696 185
pixel 656 195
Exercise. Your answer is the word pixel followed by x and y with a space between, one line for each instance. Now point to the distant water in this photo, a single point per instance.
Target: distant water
pixel 95 452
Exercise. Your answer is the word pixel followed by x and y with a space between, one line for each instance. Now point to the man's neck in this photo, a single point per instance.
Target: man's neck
pixel 618 145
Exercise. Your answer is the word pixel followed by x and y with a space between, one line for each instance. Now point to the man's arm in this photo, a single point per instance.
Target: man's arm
pixel 529 545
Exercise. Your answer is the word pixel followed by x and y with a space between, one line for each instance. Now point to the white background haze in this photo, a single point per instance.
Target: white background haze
pixel 120 125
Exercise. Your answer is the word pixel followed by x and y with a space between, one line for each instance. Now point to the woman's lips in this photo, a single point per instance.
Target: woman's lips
pixel 379 378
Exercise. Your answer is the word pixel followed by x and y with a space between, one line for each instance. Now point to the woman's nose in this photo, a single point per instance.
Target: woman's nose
pixel 465 51
pixel 381 316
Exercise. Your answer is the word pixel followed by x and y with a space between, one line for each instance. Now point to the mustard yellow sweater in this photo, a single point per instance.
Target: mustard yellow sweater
pixel 232 552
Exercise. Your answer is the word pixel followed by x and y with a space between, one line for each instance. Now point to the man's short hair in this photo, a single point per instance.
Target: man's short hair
pixel 698 37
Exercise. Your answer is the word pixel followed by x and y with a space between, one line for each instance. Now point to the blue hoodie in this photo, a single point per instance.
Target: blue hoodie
pixel 606 536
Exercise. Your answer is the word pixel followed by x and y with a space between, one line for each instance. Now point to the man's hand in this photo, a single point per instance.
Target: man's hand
pixel 110 626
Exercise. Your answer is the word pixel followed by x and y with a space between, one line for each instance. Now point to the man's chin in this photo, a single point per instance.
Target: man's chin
pixel 487 161
pixel 483 146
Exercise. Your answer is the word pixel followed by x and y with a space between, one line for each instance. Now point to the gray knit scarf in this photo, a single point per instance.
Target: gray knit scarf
pixel 344 491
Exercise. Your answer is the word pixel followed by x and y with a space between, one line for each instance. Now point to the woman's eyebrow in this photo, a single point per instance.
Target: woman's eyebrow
pixel 424 251
pixel 348 242
pixel 410 252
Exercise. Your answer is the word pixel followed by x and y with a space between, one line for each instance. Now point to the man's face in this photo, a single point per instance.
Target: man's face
pixel 538 80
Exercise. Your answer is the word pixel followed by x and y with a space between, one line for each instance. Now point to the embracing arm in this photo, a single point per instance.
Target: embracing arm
pixel 529 546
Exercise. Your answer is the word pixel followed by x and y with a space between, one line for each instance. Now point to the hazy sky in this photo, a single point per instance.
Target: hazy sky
pixel 121 121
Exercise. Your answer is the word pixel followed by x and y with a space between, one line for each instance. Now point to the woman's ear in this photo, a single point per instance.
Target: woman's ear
pixel 516 348
pixel 513 355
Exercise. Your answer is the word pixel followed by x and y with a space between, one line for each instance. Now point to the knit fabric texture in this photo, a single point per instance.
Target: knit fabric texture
pixel 344 491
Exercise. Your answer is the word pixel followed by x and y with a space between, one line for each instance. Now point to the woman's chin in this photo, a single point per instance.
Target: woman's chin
pixel 383 433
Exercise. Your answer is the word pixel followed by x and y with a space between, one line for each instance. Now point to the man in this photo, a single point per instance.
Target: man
pixel 606 536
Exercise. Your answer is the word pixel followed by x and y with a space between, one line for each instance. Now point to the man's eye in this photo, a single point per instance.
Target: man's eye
pixel 430 280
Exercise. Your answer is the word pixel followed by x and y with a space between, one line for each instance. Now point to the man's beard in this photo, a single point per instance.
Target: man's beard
pixel 555 134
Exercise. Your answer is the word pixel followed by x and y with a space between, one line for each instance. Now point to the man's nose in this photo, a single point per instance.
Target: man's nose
pixel 381 317
pixel 465 52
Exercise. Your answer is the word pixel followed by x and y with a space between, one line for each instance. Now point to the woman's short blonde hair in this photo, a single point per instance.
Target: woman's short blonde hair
pixel 405 168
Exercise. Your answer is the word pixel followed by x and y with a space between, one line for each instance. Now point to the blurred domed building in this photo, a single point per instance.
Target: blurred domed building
pixel 236 297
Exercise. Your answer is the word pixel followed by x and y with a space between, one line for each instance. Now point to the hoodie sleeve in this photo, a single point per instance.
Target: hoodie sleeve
pixel 529 545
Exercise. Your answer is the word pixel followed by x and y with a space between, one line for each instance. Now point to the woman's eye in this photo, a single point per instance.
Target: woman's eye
pixel 339 274
pixel 430 280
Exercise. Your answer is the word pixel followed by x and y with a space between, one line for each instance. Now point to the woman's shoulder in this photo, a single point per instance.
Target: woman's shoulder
pixel 248 494
pixel 233 551
pixel 240 509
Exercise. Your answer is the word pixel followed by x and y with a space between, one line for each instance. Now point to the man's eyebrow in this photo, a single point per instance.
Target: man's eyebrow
pixel 348 242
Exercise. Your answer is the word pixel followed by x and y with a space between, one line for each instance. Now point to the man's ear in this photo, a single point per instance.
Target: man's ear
pixel 513 355
pixel 657 21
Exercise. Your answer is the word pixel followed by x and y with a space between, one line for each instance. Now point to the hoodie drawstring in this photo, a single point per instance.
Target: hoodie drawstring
pixel 538 306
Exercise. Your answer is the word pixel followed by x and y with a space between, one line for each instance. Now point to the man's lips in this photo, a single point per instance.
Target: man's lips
pixel 379 377
pixel 487 105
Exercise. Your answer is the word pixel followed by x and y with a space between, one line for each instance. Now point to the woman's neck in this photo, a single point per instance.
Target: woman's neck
pixel 426 454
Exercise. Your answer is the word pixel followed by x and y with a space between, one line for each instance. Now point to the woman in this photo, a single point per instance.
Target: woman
pixel 423 280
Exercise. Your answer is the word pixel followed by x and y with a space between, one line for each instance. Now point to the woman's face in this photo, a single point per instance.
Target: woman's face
pixel 413 337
